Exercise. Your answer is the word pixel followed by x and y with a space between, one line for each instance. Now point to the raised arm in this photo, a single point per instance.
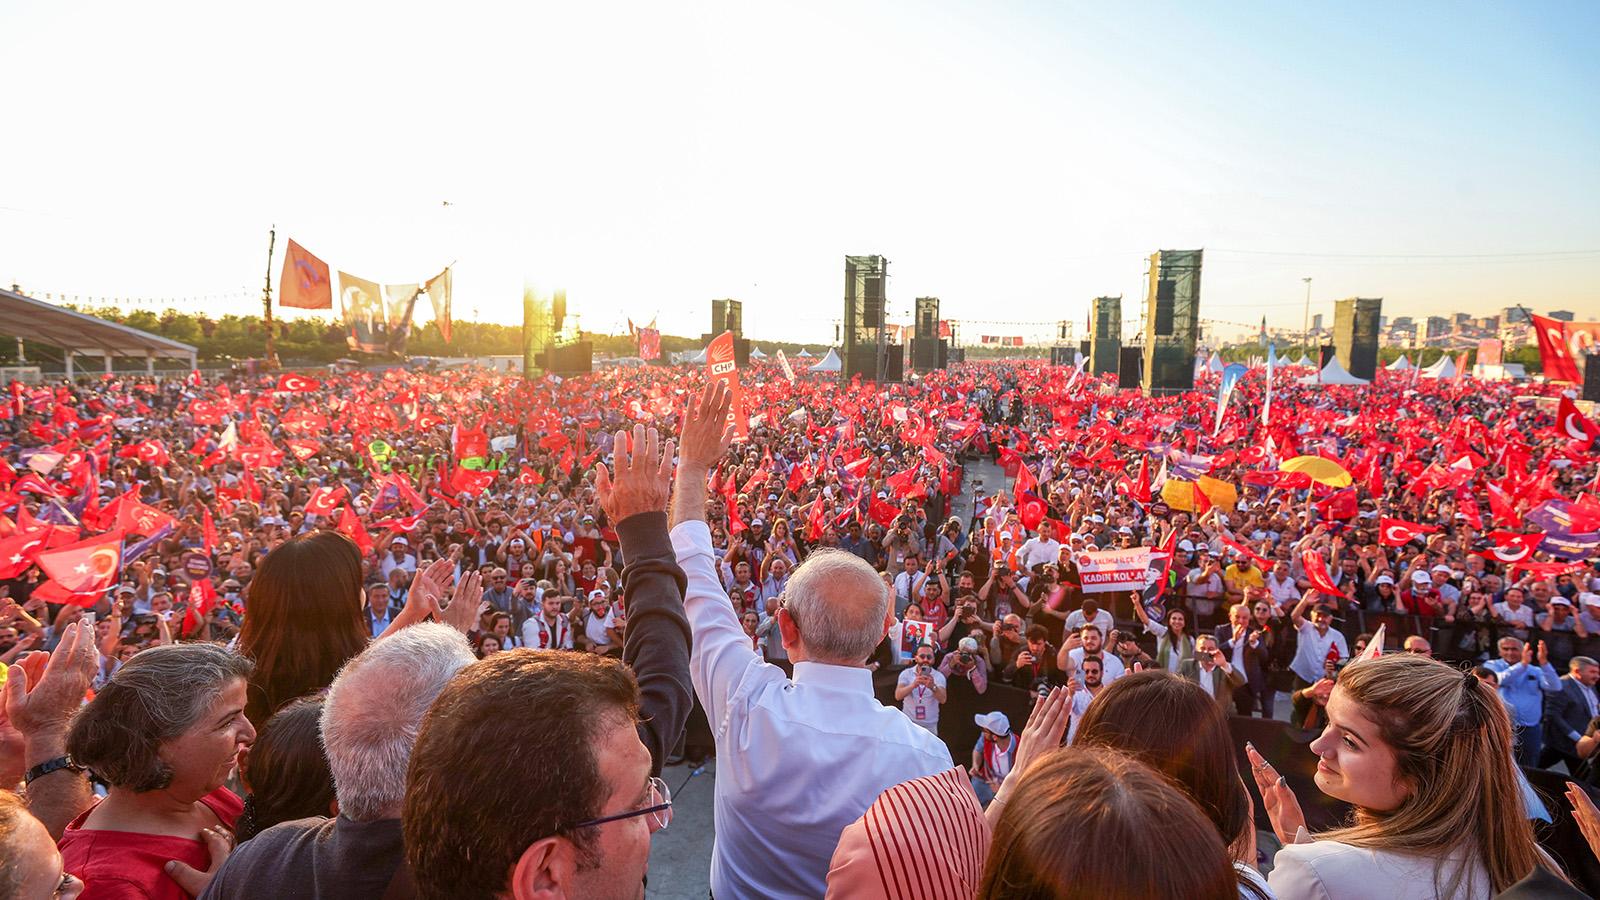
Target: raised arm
pixel 721 656
pixel 41 695
pixel 656 643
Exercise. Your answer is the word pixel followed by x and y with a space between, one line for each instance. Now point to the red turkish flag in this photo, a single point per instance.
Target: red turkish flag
pixel 17 551
pixel 304 283
pixel 1554 351
pixel 1031 511
pixel 295 382
pixel 471 482
pixel 1398 532
pixel 529 478
pixel 1510 547
pixel 1317 573
pixel 150 451
pixel 350 526
pixel 134 517
pixel 882 513
pixel 721 366
pixel 86 567
pixel 208 530
pixel 817 521
pixel 202 599
pixel 303 448
pixel 1573 424
pixel 324 500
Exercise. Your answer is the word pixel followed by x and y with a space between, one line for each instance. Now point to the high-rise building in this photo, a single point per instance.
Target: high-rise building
pixel 1561 315
pixel 1316 324
pixel 1438 327
pixel 1514 315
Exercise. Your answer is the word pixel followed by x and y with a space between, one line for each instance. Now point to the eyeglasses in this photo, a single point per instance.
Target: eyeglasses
pixel 658 806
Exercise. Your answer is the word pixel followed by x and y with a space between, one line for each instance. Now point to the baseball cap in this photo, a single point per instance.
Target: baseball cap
pixel 995 721
pixel 1421 577
pixel 1559 600
pixel 598 594
pixel 1588 599
pixel 1385 578
pixel 400 539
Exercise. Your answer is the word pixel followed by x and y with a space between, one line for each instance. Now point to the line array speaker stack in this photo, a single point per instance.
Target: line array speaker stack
pixel 1129 367
pixel 1105 334
pixel 1172 321
pixel 1355 334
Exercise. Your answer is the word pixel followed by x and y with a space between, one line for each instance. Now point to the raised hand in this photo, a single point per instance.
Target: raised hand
pixel 1586 815
pixel 643 481
pixel 1283 807
pixel 1045 727
pixel 466 603
pixel 706 433
pixel 42 693
pixel 426 596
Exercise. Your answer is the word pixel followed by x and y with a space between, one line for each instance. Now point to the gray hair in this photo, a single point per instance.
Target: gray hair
pixel 155 697
pixel 839 604
pixel 374 711
pixel 1578 662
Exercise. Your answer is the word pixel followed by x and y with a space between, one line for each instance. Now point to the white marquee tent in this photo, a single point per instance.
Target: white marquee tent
pixel 1333 373
pixel 829 363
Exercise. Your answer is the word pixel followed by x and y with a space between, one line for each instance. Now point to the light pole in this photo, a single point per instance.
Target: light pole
pixel 1305 324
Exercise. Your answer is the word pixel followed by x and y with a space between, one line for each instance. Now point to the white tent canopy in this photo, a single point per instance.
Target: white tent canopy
pixel 1215 363
pixel 1333 373
pixel 804 354
pixel 1303 361
pixel 1400 365
pixel 829 363
pixel 698 357
pixel 1444 368
pixel 755 353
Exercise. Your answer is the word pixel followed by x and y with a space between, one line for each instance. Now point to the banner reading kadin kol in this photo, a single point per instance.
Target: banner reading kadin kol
pixel 721 366
pixel 1103 571
pixel 362 305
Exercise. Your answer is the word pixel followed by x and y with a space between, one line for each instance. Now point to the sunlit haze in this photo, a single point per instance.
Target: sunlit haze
pixel 1013 159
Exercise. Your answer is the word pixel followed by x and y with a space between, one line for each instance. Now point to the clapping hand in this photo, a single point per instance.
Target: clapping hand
pixel 1586 815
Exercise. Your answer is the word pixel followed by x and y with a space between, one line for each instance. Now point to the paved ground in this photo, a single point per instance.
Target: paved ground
pixel 680 856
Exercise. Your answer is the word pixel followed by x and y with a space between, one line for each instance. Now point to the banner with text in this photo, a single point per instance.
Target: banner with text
pixel 1104 571
pixel 721 366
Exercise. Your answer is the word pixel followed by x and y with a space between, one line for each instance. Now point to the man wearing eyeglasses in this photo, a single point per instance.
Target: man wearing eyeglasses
pixel 797 760
pixel 534 774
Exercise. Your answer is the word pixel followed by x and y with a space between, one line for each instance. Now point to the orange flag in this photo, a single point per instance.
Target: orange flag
pixel 304 283
pixel 721 366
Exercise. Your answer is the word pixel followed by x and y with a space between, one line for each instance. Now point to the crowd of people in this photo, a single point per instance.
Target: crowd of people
pixel 401 633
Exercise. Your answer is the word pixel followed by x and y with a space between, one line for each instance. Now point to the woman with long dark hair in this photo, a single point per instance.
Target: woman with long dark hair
pixel 1173 725
pixel 1423 752
pixel 285 772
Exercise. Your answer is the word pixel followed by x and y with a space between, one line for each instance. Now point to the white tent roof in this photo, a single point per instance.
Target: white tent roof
pixel 755 353
pixel 829 363
pixel 1215 363
pixel 1400 365
pixel 1303 361
pixel 698 357
pixel 1444 368
pixel 804 354
pixel 1333 373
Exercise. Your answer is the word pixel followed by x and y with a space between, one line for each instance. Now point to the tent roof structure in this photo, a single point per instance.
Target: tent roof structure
pixel 829 363
pixel 35 320
pixel 1400 365
pixel 1333 373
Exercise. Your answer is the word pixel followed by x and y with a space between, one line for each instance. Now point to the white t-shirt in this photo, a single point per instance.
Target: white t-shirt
pixel 594 627
pixel 921 706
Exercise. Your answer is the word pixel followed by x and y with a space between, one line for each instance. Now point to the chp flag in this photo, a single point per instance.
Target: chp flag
pixel 1106 571
pixel 721 366
pixel 304 283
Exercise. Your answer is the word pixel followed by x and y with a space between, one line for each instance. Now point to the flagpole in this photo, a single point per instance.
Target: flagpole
pixel 266 301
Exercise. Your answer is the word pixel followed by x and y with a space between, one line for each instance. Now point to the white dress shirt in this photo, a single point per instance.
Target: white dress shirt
pixel 797 760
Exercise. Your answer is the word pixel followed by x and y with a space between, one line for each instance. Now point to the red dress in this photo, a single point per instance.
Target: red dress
pixel 123 864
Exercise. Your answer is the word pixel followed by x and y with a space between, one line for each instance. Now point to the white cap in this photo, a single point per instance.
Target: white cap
pixel 995 721
pixel 1385 578
pixel 1421 577
pixel 1588 599
pixel 1559 600
pixel 597 593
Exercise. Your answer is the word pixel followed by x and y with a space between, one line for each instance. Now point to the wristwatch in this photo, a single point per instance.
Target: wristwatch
pixel 48 766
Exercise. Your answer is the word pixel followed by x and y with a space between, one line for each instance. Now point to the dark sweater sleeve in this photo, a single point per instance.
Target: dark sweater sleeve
pixel 656 642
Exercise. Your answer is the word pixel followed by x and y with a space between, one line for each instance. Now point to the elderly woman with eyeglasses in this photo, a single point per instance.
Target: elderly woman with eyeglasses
pixel 165 733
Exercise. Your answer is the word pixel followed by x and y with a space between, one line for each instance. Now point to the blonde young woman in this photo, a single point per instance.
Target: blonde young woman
pixel 1423 752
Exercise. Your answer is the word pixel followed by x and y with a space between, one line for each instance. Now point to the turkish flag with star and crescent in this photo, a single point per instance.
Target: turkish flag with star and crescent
pixel 294 382
pixel 1399 532
pixel 1510 547
pixel 85 567
pixel 1554 351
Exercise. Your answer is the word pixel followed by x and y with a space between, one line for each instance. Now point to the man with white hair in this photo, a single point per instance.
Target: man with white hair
pixel 797 760
pixel 370 721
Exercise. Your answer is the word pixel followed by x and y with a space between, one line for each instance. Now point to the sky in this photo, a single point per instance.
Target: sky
pixel 1013 159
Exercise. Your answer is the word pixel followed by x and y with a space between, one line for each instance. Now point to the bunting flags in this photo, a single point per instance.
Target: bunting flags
pixel 304 283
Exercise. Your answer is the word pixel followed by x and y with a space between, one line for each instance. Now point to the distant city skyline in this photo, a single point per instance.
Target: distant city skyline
pixel 1015 160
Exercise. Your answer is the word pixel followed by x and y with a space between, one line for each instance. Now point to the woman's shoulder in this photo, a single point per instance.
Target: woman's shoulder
pixel 225 804
pixel 1333 869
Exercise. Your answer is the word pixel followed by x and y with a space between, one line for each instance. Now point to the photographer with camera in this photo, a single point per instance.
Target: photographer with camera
pixel 964 620
pixel 1035 664
pixel 921 689
pixel 1001 595
pixel 901 541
